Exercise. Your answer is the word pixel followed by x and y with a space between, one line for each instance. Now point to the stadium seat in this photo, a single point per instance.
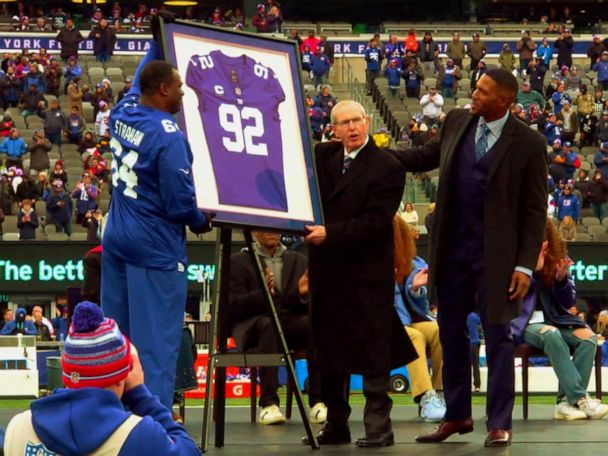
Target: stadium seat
pixel 430 82
pixel 579 228
pixel 526 351
pixel 58 237
pixel 589 157
pixel 10 223
pixel 115 74
pixel 40 207
pixel 594 230
pixel 590 221
pixel 79 236
pixel 605 221
pixel 88 113
pixel 601 237
pixel 583 237
pixel 10 237
pixel 462 102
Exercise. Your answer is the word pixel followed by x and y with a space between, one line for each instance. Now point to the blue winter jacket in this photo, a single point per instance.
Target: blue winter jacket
pixel 393 75
pixel 602 70
pixel 319 64
pixel 27 327
pixel 568 205
pixel 555 300
pixel 14 148
pixel 75 422
pixel 407 303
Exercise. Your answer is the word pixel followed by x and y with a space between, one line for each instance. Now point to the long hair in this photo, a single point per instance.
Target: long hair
pixel 405 249
pixel 602 322
pixel 557 250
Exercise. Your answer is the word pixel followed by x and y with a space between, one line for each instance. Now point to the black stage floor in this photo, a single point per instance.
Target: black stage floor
pixel 539 435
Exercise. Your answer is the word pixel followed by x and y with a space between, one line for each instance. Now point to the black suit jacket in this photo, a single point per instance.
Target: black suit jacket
pixel 515 208
pixel 247 303
pixel 355 325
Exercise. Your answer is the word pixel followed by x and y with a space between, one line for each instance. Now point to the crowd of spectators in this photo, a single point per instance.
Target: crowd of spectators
pixel 119 18
pixel 35 324
pixel 565 102
pixel 31 85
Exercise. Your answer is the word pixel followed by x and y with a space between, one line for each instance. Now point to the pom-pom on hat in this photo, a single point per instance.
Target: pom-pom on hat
pixel 96 353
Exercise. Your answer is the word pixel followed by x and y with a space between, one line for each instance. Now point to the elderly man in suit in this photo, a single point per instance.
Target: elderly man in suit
pixel 251 321
pixel 355 326
pixel 487 232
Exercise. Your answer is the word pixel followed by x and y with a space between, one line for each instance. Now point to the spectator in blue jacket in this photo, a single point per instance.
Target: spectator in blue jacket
pixel 559 97
pixel 601 159
pixel 326 101
pixel 568 204
pixel 546 323
pixel 60 323
pixel 602 71
pixel 306 58
pixel 553 129
pixel 412 305
pixel 545 52
pixel 413 77
pixel 35 77
pixel 373 57
pixel 14 147
pixel 85 194
pixel 27 220
pixel 70 72
pixel 59 208
pixel 319 65
pixel 20 325
pixel 10 89
pixel 392 72
pixel 89 416
pixel 316 117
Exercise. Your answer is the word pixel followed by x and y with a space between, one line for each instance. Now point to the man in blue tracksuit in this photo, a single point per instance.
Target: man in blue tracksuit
pixel 143 282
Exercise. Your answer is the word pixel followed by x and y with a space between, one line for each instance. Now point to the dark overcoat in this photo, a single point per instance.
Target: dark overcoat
pixel 515 207
pixel 355 325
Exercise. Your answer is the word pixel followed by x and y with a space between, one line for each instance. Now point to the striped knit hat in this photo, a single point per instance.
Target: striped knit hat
pixel 96 353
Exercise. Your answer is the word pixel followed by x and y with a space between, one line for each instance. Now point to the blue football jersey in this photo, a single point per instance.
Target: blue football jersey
pixel 153 196
pixel 238 103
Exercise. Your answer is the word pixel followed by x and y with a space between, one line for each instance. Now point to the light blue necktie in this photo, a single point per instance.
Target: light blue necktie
pixel 481 146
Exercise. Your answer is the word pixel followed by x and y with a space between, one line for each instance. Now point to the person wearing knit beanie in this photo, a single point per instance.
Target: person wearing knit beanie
pixel 96 353
pixel 102 374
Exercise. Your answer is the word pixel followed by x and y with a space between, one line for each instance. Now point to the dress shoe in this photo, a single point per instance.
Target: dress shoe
pixel 331 435
pixel 380 440
pixel 446 429
pixel 499 438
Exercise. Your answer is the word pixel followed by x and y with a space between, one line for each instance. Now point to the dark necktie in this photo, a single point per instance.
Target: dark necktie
pixel 347 162
pixel 481 146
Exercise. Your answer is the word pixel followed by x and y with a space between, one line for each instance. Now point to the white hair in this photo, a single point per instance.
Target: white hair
pixel 342 104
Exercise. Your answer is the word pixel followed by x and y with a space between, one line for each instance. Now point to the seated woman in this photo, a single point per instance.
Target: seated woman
pixel 547 324
pixel 412 304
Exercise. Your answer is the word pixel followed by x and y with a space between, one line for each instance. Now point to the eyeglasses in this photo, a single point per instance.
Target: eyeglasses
pixel 346 123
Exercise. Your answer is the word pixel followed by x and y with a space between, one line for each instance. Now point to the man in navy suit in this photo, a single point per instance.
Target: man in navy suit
pixel 486 236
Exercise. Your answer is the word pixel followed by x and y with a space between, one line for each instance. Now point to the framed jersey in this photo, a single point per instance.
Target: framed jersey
pixel 244 116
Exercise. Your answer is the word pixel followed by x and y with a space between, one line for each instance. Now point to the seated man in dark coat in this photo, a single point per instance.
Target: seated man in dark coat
pixel 251 320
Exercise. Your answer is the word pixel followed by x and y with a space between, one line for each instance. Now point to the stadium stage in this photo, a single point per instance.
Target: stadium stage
pixel 539 435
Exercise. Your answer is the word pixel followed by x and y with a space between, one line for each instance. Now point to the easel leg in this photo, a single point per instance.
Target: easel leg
pixel 217 343
pixel 291 374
